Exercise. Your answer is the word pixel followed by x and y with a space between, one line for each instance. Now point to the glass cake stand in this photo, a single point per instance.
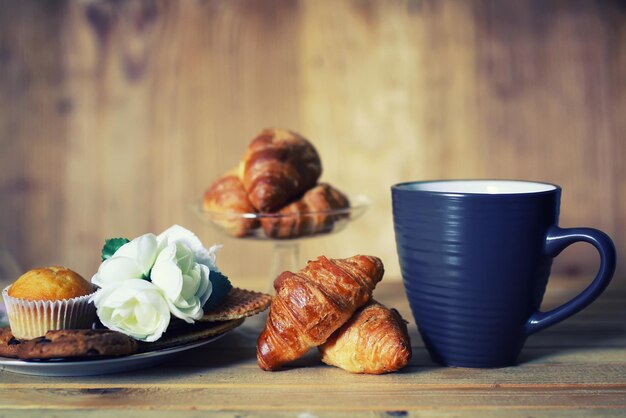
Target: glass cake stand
pixel 284 231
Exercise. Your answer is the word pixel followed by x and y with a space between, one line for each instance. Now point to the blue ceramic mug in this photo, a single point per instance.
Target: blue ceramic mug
pixel 475 257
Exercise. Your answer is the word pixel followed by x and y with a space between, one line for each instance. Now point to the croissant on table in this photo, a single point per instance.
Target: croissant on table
pixel 278 166
pixel 312 304
pixel 291 220
pixel 375 341
pixel 228 196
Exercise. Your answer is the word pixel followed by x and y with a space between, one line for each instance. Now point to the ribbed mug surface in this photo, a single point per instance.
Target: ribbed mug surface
pixel 474 269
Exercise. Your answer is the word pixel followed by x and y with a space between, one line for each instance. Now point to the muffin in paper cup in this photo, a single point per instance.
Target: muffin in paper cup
pixel 48 298
pixel 30 319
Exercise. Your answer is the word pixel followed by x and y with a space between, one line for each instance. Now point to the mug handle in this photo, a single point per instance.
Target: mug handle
pixel 557 239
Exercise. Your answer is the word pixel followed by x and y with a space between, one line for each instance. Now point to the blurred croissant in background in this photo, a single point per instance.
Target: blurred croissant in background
pixel 276 183
pixel 278 166
pixel 228 196
pixel 316 203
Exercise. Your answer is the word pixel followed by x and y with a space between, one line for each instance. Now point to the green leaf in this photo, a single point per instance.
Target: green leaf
pixel 111 246
pixel 221 287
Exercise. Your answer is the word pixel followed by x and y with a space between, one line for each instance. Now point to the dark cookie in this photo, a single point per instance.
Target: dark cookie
pixel 77 343
pixel 190 333
pixel 8 343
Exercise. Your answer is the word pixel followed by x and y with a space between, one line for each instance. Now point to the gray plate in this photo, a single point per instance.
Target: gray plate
pixel 97 367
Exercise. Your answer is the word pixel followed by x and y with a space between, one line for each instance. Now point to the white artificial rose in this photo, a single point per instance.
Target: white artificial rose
pixel 134 307
pixel 132 260
pixel 184 282
pixel 151 278
pixel 178 234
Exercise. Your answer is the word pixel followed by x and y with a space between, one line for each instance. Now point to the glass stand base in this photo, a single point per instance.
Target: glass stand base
pixel 285 258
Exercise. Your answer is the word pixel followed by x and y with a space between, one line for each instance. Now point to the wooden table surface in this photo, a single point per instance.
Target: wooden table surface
pixel 577 368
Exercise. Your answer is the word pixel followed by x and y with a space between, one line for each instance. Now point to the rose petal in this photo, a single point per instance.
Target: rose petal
pixel 143 249
pixel 133 307
pixel 184 257
pixel 165 273
pixel 190 286
pixel 116 269
pixel 177 233
pixel 188 313
pixel 211 258
pixel 206 287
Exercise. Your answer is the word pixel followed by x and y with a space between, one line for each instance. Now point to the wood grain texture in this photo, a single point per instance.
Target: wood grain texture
pixel 435 412
pixel 115 116
pixel 575 369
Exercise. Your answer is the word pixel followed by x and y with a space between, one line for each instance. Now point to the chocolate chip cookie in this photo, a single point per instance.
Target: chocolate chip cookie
pixel 77 343
pixel 8 343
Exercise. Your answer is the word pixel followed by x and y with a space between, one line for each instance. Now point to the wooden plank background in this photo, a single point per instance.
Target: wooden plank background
pixel 116 115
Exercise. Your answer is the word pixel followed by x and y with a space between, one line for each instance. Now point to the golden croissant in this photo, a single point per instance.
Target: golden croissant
pixel 375 340
pixel 227 198
pixel 307 215
pixel 277 167
pixel 312 304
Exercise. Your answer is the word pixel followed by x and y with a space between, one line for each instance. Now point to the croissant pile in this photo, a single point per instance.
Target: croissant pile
pixel 328 304
pixel 278 177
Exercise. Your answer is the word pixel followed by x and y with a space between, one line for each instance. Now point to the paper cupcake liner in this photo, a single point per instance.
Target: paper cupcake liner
pixel 30 319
